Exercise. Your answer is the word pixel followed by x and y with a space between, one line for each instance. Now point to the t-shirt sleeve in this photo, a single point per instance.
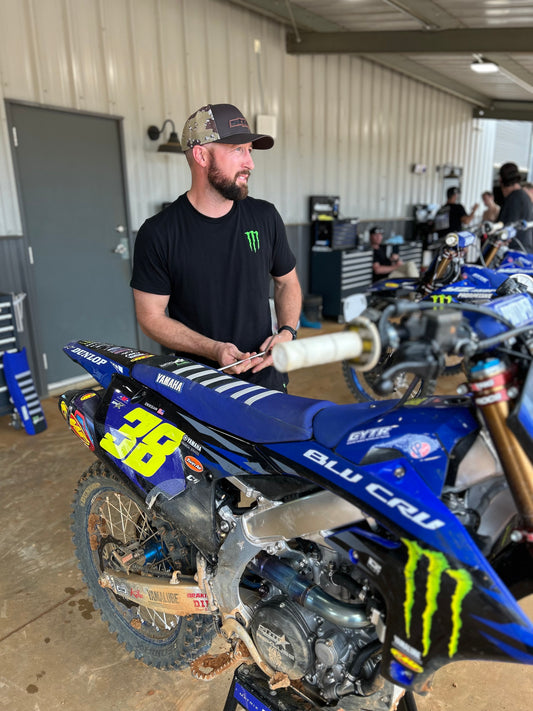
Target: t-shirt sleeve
pixel 381 258
pixel 150 263
pixel 283 259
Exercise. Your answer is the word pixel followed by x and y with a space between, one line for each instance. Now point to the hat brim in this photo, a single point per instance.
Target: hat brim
pixel 259 141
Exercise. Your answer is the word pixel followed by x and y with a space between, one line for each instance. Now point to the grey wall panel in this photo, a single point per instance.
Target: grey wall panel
pixel 345 125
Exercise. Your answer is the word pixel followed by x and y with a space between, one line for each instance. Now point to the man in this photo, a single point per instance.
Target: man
pixel 202 267
pixel 452 216
pixel 528 187
pixel 382 265
pixel 516 205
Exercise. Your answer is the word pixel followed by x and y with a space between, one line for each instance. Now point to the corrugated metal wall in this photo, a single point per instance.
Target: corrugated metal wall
pixel 344 125
pixel 513 143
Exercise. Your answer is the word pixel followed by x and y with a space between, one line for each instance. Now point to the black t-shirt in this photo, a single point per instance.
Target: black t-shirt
pixel 517 206
pixel 448 218
pixel 380 256
pixel 216 271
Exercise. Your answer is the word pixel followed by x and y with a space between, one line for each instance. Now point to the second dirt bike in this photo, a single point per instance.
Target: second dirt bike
pixel 448 279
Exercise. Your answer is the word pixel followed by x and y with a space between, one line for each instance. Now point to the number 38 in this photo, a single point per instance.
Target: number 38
pixel 144 444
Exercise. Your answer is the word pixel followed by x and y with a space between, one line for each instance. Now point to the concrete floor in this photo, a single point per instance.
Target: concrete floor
pixel 56 653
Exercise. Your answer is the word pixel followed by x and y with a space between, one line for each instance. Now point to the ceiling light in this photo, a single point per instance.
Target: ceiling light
pixel 483 66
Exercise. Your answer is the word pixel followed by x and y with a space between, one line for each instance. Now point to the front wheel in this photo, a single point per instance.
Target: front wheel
pixel 106 515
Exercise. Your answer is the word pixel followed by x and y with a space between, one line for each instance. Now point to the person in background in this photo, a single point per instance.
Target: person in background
pixel 452 216
pixel 492 209
pixel 528 187
pixel 517 205
pixel 203 266
pixel 382 265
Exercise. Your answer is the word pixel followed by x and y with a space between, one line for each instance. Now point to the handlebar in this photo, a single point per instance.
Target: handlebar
pixel 496 229
pixel 420 341
pixel 361 344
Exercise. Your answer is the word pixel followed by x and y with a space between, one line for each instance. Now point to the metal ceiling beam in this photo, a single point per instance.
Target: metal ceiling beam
pixel 412 41
pixel 514 71
pixel 507 110
pixel 289 14
pixel 428 14
pixel 413 70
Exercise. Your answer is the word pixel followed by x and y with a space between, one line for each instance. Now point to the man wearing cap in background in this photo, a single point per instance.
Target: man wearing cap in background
pixel 202 267
pixel 452 216
pixel 382 265
pixel 517 204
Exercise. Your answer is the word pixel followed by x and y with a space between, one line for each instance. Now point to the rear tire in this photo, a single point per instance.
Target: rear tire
pixel 106 512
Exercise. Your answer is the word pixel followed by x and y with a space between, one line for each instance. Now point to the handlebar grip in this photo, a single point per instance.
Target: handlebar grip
pixel 360 342
pixel 316 351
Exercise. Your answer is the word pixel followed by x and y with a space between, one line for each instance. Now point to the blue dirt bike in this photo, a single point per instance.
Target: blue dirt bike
pixel 496 254
pixel 345 553
pixel 448 279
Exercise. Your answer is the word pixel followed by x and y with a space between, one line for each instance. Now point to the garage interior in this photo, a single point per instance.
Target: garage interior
pixel 359 95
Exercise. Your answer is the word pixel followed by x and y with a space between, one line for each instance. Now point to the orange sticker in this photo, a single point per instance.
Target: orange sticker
pixel 194 464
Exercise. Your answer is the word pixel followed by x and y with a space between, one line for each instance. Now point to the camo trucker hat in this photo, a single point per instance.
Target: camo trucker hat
pixel 221 123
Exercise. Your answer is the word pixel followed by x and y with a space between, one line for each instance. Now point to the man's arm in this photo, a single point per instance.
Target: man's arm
pixel 467 219
pixel 288 299
pixel 155 323
pixel 386 268
pixel 288 305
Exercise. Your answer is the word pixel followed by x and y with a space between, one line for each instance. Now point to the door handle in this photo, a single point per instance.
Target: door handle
pixel 122 248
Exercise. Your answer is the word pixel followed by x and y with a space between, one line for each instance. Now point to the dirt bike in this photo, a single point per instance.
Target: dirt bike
pixel 344 552
pixel 496 252
pixel 447 279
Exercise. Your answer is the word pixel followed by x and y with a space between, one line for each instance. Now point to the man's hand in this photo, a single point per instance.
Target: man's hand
pixel 228 353
pixel 266 360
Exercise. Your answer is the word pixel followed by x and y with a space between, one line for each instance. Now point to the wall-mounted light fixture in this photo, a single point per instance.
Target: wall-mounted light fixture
pixel 480 65
pixel 172 145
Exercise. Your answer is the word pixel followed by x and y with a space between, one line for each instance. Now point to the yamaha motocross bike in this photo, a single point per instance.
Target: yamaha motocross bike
pixel 447 279
pixel 344 552
pixel 496 252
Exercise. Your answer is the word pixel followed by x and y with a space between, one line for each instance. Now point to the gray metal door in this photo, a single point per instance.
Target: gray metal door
pixel 73 199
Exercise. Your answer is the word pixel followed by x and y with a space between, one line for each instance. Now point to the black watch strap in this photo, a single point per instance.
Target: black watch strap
pixel 290 330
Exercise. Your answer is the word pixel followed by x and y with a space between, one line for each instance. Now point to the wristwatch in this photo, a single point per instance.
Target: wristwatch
pixel 290 330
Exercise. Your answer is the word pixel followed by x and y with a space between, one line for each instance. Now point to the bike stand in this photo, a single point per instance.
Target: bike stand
pixel 250 689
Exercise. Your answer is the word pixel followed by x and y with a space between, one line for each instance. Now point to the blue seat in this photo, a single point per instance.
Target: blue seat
pixel 220 400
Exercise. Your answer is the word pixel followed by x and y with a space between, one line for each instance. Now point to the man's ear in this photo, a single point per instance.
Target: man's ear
pixel 200 155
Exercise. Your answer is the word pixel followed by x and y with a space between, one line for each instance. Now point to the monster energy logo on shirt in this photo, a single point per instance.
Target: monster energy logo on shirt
pixel 437 567
pixel 253 240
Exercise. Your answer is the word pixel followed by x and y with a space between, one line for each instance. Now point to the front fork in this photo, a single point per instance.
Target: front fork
pixel 491 384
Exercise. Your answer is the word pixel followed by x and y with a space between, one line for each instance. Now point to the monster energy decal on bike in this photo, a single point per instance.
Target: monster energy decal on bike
pixel 438 566
pixel 442 298
pixel 253 240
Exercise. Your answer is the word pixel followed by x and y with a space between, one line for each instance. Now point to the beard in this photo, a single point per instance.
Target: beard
pixel 227 187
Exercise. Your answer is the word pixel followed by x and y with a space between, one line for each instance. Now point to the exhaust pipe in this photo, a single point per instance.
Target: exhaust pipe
pixel 307 594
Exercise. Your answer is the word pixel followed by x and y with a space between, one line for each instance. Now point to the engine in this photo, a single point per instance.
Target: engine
pixel 312 624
